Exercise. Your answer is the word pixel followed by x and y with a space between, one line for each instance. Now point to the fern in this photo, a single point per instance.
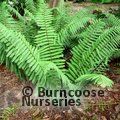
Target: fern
pixel 15 12
pixel 78 21
pixel 89 37
pixel 86 61
pixel 7 19
pixel 46 37
pixel 111 20
pixel 33 44
pixel 2 53
pixel 27 57
pixel 30 5
pixel 95 79
pixel 61 15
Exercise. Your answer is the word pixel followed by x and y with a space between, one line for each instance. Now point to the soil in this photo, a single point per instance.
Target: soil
pixel 104 7
pixel 105 108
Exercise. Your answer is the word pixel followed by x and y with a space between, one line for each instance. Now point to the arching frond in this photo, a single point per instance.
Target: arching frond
pixel 111 20
pixel 7 19
pixel 30 5
pixel 77 22
pixel 46 37
pixel 27 57
pixel 87 61
pixel 96 79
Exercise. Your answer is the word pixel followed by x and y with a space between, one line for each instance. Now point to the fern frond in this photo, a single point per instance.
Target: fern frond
pixel 30 5
pixel 2 53
pixel 46 38
pixel 111 20
pixel 61 16
pixel 30 16
pixel 87 61
pixel 96 79
pixel 16 13
pixel 17 53
pixel 27 57
pixel 14 68
pixel 87 39
pixel 7 19
pixel 77 22
pixel 30 31
pixel 60 20
pixel 44 20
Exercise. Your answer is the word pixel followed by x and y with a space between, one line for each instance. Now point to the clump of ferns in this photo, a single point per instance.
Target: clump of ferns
pixel 32 46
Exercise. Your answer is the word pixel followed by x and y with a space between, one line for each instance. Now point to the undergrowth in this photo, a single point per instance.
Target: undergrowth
pixel 33 44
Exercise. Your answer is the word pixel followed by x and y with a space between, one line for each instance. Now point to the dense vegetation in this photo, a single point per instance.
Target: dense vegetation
pixel 53 47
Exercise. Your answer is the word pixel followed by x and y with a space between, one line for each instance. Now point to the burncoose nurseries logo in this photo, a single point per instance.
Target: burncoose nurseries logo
pixel 46 97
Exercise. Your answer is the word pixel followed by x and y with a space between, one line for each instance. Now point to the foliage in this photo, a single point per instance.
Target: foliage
pixel 33 43
pixel 9 111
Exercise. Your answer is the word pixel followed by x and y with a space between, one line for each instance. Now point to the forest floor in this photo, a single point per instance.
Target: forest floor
pixel 105 108
pixel 103 7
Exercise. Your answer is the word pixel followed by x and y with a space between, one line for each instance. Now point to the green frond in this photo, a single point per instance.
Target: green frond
pixel 6 61
pixel 30 16
pixel 16 13
pixel 27 57
pixel 96 79
pixel 7 19
pixel 2 53
pixel 87 39
pixel 77 22
pixel 86 61
pixel 111 20
pixel 44 20
pixel 46 38
pixel 71 29
pixel 30 5
pixel 61 16
pixel 18 50
pixel 14 68
pixel 30 30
